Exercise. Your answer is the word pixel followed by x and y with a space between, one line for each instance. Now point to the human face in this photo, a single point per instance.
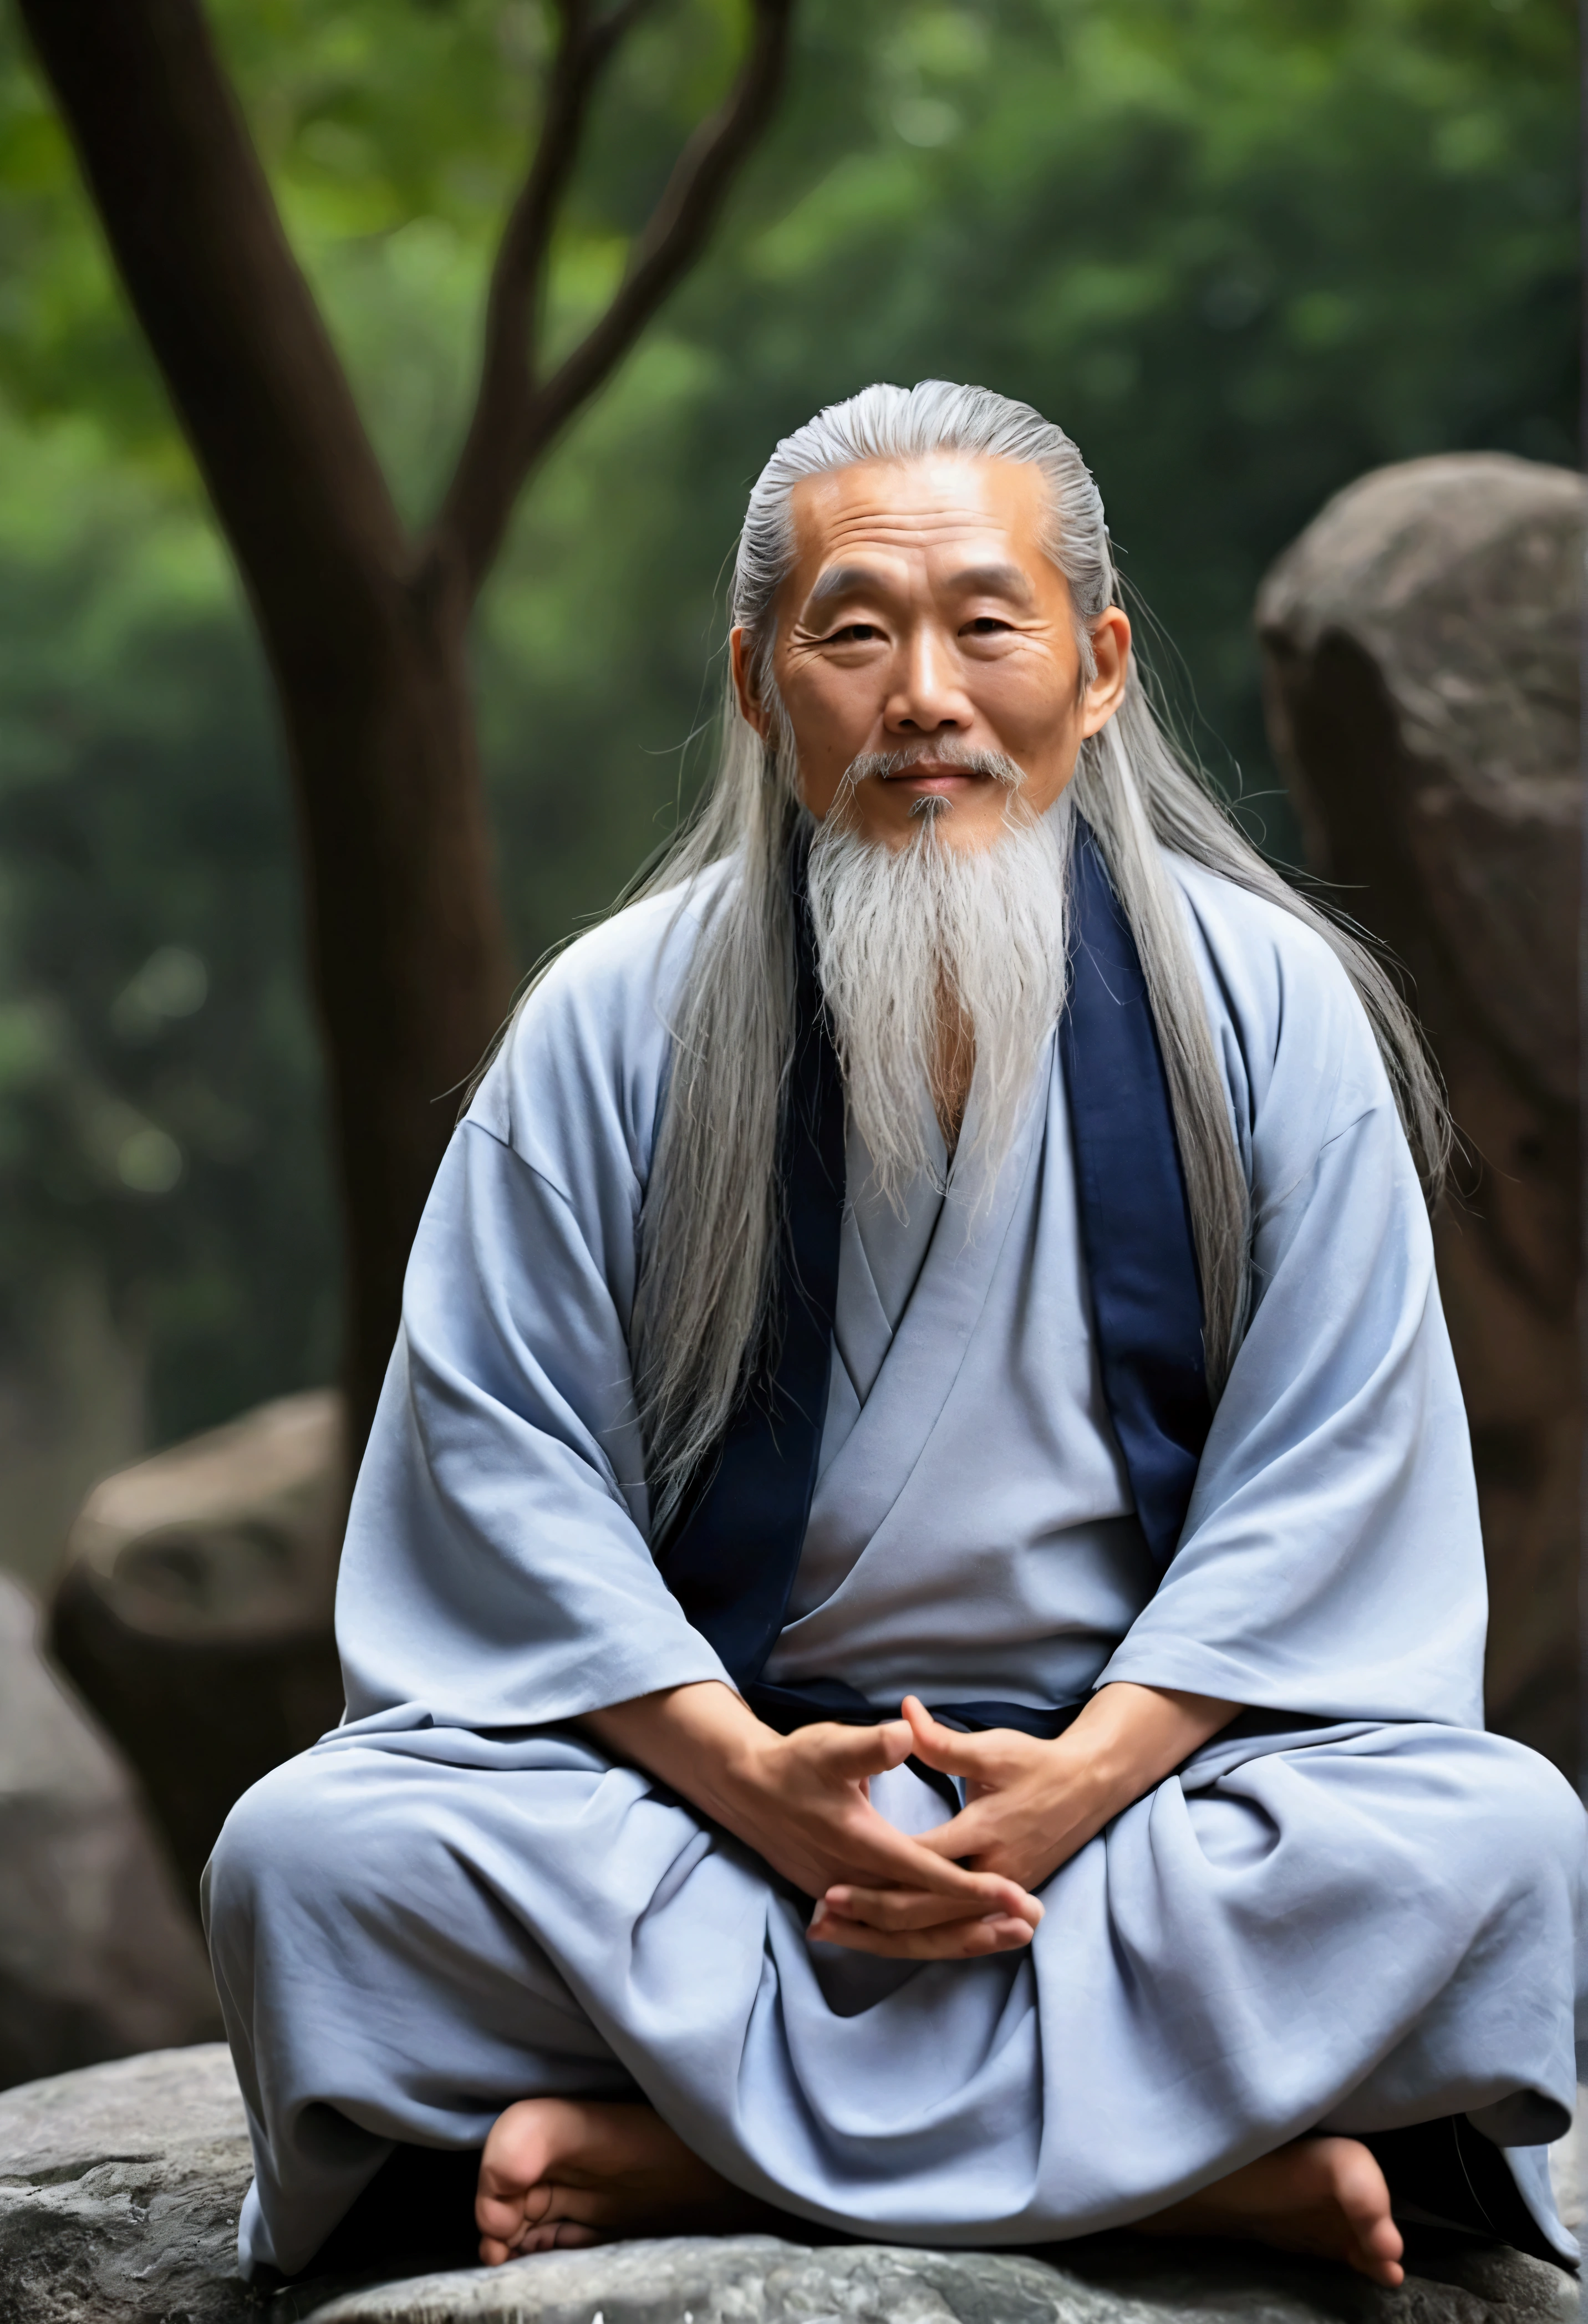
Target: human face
pixel 921 611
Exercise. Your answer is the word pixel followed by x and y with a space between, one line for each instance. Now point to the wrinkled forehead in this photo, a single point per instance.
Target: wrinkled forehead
pixel 901 517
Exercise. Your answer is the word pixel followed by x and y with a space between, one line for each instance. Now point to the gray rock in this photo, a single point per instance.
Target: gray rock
pixel 749 2280
pixel 1457 582
pixel 97 1956
pixel 119 2192
pixel 194 1610
pixel 120 2187
pixel 1421 642
pixel 758 2280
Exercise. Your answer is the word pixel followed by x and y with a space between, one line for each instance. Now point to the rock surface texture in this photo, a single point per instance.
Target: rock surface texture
pixel 757 2280
pixel 195 1610
pixel 1421 643
pixel 97 1956
pixel 119 2191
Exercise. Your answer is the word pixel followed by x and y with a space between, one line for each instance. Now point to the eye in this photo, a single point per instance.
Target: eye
pixel 986 625
pixel 852 634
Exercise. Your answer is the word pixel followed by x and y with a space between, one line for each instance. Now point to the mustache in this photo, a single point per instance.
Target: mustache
pixel 881 766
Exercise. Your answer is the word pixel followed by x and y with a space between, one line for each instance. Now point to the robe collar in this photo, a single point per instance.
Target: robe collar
pixel 732 1558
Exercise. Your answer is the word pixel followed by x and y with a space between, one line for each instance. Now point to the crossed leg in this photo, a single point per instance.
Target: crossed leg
pixel 560 2171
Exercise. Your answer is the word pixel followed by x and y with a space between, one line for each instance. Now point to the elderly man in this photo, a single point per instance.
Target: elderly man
pixel 912 1617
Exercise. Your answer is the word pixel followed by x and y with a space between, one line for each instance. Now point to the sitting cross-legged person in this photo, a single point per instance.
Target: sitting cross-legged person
pixel 912 1615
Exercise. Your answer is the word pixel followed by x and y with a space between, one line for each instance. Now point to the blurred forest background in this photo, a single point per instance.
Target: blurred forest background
pixel 1244 250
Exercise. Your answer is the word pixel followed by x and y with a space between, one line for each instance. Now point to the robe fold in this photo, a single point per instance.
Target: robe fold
pixel 1352 1909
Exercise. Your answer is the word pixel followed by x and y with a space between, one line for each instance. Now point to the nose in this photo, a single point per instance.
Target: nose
pixel 927 696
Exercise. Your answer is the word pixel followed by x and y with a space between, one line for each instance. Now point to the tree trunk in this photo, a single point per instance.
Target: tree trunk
pixel 365 630
pixel 409 958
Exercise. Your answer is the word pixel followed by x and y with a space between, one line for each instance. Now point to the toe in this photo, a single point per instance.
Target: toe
pixel 1384 2239
pixel 1364 2196
pixel 497 2217
pixel 518 2145
pixel 557 2235
pixel 504 2211
pixel 1378 2266
pixel 1382 2246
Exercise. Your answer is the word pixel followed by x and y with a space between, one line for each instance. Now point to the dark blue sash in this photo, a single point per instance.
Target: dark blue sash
pixel 731 1560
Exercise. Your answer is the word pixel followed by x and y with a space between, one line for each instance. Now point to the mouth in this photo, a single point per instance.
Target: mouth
pixel 926 777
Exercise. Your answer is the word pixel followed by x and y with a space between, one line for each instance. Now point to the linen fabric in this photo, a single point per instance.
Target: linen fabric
pixel 1352 1909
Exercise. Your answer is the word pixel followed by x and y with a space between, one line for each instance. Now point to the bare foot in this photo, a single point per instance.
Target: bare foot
pixel 1322 2195
pixel 557 2171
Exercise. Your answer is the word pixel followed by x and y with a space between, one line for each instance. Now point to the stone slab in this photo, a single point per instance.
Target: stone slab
pixel 119 2192
pixel 758 2280
pixel 120 2187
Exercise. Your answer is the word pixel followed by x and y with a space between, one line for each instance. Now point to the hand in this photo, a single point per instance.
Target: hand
pixel 1029 1805
pixel 801 1800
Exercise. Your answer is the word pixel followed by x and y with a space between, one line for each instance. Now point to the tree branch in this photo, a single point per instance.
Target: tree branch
pixel 515 417
pixel 262 397
pixel 506 393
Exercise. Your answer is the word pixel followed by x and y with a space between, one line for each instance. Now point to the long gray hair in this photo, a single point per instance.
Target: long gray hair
pixel 709 1225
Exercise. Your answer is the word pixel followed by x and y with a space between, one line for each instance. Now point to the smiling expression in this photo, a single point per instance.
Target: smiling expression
pixel 920 611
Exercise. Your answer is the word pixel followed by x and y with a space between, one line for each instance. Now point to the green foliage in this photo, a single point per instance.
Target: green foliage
pixel 158 1080
pixel 1244 250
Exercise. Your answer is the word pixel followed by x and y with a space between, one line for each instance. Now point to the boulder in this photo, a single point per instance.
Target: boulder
pixel 759 2280
pixel 119 2192
pixel 1421 642
pixel 194 1610
pixel 120 2186
pixel 97 1956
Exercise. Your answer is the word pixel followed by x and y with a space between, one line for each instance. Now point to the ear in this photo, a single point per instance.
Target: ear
pixel 1110 651
pixel 741 648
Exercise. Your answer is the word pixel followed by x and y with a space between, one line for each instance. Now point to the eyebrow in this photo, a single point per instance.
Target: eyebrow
pixel 842 581
pixel 996 580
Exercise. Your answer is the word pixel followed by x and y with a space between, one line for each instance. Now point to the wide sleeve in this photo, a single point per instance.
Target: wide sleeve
pixel 496 1570
pixel 1332 1560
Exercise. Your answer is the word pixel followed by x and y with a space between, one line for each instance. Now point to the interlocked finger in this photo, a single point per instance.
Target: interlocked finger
pixel 873 1853
pixel 955 1941
pixel 898 1909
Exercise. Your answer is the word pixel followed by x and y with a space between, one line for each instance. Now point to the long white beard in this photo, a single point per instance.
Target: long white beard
pixel 898 930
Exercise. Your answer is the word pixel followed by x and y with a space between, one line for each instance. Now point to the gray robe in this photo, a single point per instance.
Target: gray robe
pixel 1352 1909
